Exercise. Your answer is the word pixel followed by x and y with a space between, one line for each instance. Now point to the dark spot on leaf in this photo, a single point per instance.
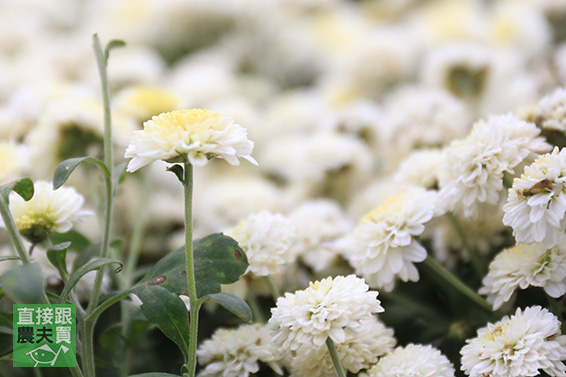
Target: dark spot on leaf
pixel 186 293
pixel 184 272
pixel 237 254
pixel 157 280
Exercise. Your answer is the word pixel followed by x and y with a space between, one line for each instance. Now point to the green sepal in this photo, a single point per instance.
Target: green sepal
pixel 178 170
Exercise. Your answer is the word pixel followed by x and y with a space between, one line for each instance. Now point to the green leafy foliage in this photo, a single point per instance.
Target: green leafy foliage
pixel 218 260
pixel 233 304
pixel 57 255
pixel 24 188
pixel 23 283
pixel 168 312
pixel 83 270
pixel 64 169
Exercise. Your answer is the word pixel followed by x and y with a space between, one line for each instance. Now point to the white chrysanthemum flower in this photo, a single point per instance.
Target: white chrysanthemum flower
pixel 522 266
pixel 421 168
pixel 196 134
pixel 48 211
pixel 383 245
pixel 518 346
pixel 413 360
pixel 237 352
pixel 266 239
pixel 473 174
pixel 330 308
pixel 359 351
pixel 551 111
pixel 318 222
pixel 536 204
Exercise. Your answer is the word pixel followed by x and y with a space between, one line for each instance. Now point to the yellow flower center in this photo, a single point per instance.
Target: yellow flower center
pixel 385 210
pixel 185 118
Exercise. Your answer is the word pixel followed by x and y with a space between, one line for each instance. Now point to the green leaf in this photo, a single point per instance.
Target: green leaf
pixel 112 44
pixel 65 168
pixel 78 241
pixel 2 259
pixel 119 173
pixel 24 188
pixel 168 312
pixel 57 255
pixel 178 170
pixel 218 260
pixel 234 304
pixel 83 270
pixel 23 283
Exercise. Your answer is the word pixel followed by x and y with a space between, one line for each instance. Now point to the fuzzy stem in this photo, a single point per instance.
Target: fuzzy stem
pixel 275 293
pixel 472 254
pixel 191 285
pixel 335 360
pixel 13 231
pixel 456 283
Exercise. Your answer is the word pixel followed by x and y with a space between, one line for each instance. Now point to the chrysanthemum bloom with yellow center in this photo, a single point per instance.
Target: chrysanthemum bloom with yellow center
pixel 383 246
pixel 195 134
pixel 522 266
pixel 48 211
pixel 329 308
pixel 536 206
pixel 518 346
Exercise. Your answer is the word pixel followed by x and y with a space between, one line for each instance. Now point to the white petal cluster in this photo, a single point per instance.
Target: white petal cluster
pixel 327 308
pixel 536 206
pixel 551 111
pixel 198 134
pixel 473 174
pixel 236 352
pixel 413 360
pixel 48 211
pixel 383 246
pixel 359 351
pixel 266 239
pixel 528 341
pixel 523 266
pixel 318 222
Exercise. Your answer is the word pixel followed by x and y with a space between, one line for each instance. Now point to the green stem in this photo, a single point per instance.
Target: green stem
pixel 257 314
pixel 76 372
pixel 192 290
pixel 131 261
pixel 86 330
pixel 88 325
pixel 472 254
pixel 335 360
pixel 456 283
pixel 275 293
pixel 13 231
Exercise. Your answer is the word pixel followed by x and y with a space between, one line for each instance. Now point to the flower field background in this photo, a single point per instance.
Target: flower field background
pixel 379 184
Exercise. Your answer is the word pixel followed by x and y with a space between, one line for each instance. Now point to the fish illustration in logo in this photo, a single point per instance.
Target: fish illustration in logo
pixel 45 355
